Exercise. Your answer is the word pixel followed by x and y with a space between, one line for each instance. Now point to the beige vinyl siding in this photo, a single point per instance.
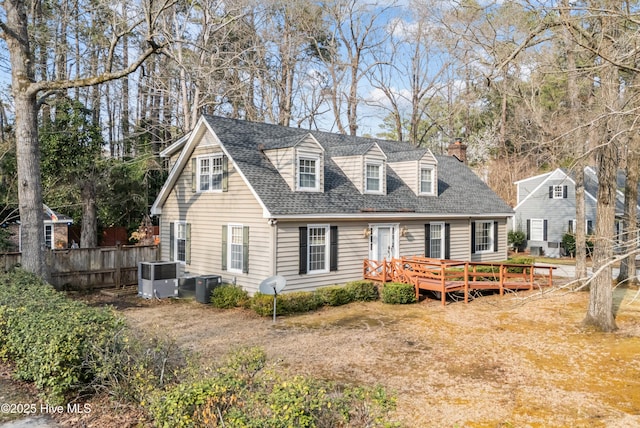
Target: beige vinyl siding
pixel 207 212
pixel 353 248
pixel 283 160
pixel 353 168
pixel 408 172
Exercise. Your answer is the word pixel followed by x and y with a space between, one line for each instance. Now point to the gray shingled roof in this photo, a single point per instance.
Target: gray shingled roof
pixel 460 191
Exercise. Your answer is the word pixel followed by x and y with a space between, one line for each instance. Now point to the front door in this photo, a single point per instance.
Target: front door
pixel 383 242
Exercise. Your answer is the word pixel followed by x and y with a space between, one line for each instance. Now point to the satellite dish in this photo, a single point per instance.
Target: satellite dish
pixel 272 285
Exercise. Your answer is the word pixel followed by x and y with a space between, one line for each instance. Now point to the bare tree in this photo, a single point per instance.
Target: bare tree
pixel 28 91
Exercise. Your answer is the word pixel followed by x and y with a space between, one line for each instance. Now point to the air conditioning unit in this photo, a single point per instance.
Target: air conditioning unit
pixel 158 279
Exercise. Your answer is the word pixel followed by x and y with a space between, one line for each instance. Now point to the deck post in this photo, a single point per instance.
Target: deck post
pixel 502 272
pixel 444 285
pixel 466 282
pixel 531 277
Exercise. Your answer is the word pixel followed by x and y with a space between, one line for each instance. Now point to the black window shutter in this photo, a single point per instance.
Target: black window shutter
pixel 447 241
pixel 564 192
pixel 570 228
pixel 550 192
pixel 495 236
pixel 473 237
pixel 224 247
pixel 194 166
pixel 245 249
pixel 589 227
pixel 427 240
pixel 303 250
pixel 187 244
pixel 528 229
pixel 333 251
pixel 171 240
pixel 544 230
pixel 225 174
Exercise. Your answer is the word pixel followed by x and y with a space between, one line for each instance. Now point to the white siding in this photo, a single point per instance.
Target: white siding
pixel 407 171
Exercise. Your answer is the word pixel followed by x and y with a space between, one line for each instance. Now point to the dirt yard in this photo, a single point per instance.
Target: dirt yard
pixel 514 361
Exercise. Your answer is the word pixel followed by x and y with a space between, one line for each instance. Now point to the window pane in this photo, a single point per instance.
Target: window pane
pixel 537 230
pixel 373 178
pixel 436 241
pixel 216 173
pixel 557 192
pixel 307 172
pixel 483 236
pixel 317 248
pixel 235 247
pixel 426 180
pixel 204 174
pixel 181 241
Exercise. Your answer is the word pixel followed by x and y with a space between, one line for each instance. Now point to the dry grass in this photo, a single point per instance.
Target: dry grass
pixel 521 360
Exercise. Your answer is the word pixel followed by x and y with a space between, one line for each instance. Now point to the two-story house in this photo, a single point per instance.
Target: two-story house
pixel 248 200
pixel 546 208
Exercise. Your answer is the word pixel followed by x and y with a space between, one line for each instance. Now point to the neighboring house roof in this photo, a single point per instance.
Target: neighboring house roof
pixel 590 185
pixel 11 215
pixel 460 191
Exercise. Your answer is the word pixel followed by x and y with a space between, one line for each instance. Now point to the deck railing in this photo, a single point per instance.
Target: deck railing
pixel 447 276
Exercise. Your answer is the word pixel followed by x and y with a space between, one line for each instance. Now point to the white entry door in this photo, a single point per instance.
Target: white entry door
pixel 383 242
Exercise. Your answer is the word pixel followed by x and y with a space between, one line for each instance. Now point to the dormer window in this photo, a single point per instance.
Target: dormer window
pixel 308 173
pixel 373 178
pixel 427 181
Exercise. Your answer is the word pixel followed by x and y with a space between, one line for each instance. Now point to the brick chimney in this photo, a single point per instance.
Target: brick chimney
pixel 458 150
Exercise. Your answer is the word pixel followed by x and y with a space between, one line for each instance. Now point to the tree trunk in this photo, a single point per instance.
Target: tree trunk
pixel 89 233
pixel 27 148
pixel 630 226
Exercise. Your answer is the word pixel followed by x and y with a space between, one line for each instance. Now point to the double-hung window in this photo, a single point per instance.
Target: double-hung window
pixel 210 172
pixel 484 236
pixel 181 242
pixel 235 248
pixel 436 240
pixel 373 178
pixel 426 181
pixel 308 178
pixel 318 248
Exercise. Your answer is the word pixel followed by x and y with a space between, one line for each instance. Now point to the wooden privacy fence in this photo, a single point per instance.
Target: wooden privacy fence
pixel 92 268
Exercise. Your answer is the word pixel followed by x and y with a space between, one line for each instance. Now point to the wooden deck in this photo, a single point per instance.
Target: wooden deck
pixel 447 276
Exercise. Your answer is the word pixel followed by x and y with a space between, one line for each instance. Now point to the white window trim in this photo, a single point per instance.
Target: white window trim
pixel 541 221
pixel 198 175
pixel 327 248
pixel 490 241
pixel 433 174
pixel 380 166
pixel 316 159
pixel 230 244
pixel 176 239
pixel 555 192
pixel 51 243
pixel 442 233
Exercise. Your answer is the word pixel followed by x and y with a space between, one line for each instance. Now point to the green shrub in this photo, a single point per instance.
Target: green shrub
pixel 335 295
pixel 241 393
pixel 287 303
pixel 398 293
pixel 229 296
pixel 363 291
pixel 49 337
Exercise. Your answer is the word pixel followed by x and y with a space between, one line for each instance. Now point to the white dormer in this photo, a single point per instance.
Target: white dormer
pixel 419 170
pixel 300 163
pixel 366 167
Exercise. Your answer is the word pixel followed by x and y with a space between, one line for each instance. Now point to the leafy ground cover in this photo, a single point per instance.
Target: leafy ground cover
pixel 518 360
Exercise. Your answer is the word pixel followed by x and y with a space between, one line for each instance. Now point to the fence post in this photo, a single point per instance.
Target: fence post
pixel 118 272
